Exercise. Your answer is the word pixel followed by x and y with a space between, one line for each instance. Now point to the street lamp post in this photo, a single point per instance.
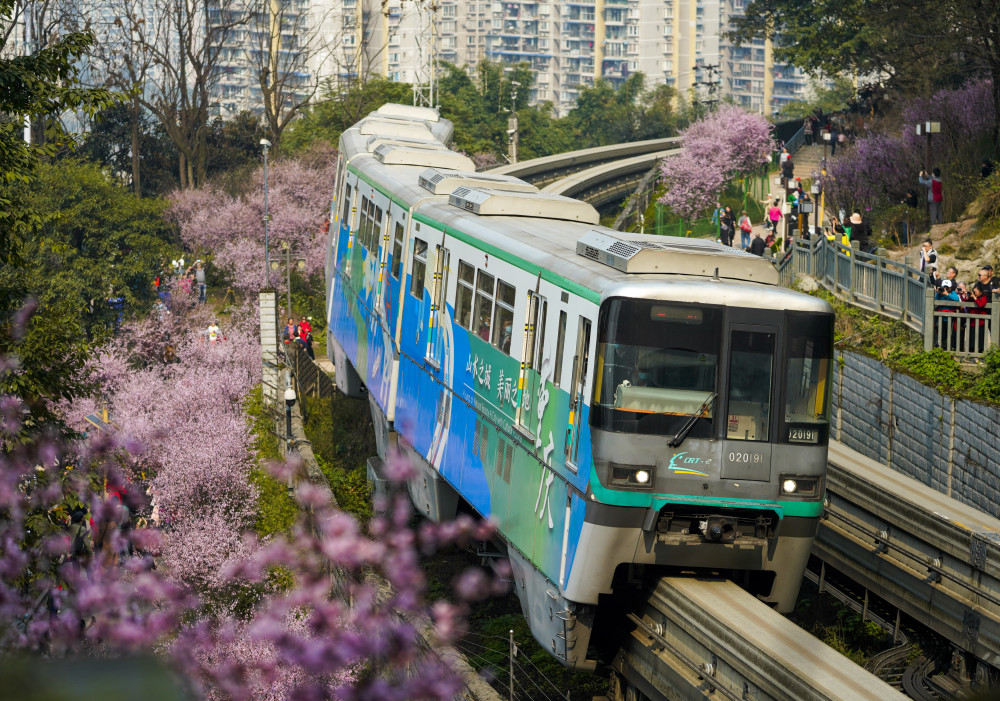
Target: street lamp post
pixel 299 262
pixel 928 128
pixel 267 221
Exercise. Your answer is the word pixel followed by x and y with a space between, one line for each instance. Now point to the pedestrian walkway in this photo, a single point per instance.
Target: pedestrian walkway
pixel 325 364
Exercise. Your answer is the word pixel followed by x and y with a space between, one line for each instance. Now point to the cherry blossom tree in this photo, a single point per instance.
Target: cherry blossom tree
pixel 726 144
pixel 327 610
pixel 231 228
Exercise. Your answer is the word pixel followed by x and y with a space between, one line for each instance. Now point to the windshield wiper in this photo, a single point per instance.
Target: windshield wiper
pixel 686 428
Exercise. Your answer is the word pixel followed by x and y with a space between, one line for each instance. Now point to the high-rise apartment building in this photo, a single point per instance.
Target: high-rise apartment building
pixel 569 44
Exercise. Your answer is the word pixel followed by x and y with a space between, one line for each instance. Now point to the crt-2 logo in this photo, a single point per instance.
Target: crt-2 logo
pixel 681 464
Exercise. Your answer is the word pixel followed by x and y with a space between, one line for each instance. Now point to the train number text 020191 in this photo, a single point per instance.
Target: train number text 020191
pixel 745 457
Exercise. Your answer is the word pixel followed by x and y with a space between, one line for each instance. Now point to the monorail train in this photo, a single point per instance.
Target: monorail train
pixel 614 402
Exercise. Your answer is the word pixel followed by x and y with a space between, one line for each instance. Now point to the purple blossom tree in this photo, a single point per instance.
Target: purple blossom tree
pixel 878 169
pixel 726 144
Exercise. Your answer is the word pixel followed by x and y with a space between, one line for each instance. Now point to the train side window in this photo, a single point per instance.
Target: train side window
pixel 345 217
pixel 376 237
pixel 560 349
pixel 366 239
pixel 540 319
pixel 419 268
pixel 362 232
pixel 503 317
pixel 397 251
pixel 464 294
pixel 484 305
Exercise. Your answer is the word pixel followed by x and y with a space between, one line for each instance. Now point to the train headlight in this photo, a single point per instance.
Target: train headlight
pixel 631 476
pixel 801 487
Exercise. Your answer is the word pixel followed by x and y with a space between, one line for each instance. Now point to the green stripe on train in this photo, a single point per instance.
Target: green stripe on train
pixel 808 509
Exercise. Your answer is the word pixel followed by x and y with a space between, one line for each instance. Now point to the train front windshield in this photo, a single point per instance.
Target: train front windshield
pixel 657 365
pixel 660 363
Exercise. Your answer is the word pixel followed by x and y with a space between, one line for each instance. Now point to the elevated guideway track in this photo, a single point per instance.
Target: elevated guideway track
pixel 609 182
pixel 934 558
pixel 548 169
pixel 698 638
pixel 931 557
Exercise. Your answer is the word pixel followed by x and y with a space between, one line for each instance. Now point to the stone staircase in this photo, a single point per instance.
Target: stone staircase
pixel 807 160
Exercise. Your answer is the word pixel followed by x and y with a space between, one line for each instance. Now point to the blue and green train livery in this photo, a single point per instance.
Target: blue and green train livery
pixel 618 404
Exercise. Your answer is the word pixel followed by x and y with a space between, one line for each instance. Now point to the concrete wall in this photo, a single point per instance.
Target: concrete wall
pixel 950 445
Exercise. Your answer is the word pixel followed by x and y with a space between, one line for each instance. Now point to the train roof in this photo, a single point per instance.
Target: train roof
pixel 543 232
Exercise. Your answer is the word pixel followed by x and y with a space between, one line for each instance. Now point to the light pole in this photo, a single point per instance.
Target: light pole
pixel 267 219
pixel 299 262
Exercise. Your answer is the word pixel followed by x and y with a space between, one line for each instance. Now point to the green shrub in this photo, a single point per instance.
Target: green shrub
pixel 276 509
pixel 342 437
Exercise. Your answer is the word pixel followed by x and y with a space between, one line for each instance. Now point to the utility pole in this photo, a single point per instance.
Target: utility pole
pixel 29 36
pixel 711 83
pixel 425 85
pixel 513 132
pixel 267 219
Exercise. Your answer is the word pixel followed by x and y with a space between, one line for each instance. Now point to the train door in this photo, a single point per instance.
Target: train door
pixel 531 377
pixel 384 242
pixel 750 402
pixel 438 289
pixel 578 382
pixel 333 220
pixel 395 263
pixel 347 220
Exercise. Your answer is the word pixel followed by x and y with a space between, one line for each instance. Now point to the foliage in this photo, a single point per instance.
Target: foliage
pixel 336 110
pixel 233 615
pixel 276 509
pixel 840 627
pixel 480 103
pixel 109 144
pixel 342 437
pixel 36 85
pixel 827 98
pixel 728 143
pixel 233 145
pixel 95 241
pixel 607 115
pixel 914 47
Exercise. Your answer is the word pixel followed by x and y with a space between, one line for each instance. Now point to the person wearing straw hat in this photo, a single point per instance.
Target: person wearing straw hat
pixel 860 231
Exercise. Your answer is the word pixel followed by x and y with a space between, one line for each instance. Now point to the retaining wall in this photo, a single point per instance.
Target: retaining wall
pixel 949 444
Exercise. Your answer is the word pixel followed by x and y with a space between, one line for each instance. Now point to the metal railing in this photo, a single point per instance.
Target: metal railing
pixel 895 290
pixel 797 140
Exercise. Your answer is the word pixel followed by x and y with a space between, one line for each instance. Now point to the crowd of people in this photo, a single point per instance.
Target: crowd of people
pixel 967 298
pixel 300 334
